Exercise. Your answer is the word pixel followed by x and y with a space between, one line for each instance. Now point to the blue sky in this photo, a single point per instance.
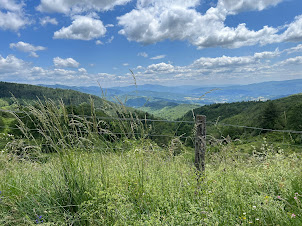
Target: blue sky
pixel 192 42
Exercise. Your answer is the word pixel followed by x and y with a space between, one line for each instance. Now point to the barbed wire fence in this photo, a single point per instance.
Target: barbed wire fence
pixel 183 136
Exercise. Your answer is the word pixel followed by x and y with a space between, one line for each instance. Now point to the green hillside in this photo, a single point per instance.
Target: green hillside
pixel 280 114
pixel 167 110
pixel 287 112
pixel 30 93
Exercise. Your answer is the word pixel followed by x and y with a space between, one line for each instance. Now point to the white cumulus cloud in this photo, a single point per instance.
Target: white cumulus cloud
pixel 48 20
pixel 292 61
pixel 155 21
pixel 26 47
pixel 267 54
pixel 161 67
pixel 82 70
pixel 78 6
pixel 293 32
pixel 82 28
pixel 99 42
pixel 11 64
pixel 224 61
pixel 63 63
pixel 237 6
pixel 12 16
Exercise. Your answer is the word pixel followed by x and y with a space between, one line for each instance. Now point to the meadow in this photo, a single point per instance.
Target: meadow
pixel 64 169
pixel 144 184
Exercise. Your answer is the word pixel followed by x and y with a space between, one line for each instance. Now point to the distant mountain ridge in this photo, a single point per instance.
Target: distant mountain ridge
pixel 192 94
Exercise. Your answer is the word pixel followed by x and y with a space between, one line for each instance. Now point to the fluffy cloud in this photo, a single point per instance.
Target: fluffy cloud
pixel 78 6
pixel 154 21
pixel 68 62
pixel 267 54
pixel 294 31
pixel 82 70
pixel 224 61
pixel 26 47
pixel 217 69
pixel 237 6
pixel 11 64
pixel 12 17
pixel 47 20
pixel 161 67
pixel 292 61
pixel 82 28
pixel 158 57
pixel 98 42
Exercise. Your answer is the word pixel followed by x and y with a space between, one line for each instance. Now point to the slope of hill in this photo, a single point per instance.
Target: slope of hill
pixel 280 114
pixel 168 110
pixel 24 92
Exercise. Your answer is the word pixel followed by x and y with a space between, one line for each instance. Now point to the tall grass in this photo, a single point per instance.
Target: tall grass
pixel 85 181
pixel 147 185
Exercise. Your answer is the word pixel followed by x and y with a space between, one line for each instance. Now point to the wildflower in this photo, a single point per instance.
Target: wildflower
pixel 257 219
pixel 244 213
pixel 293 215
pixel 279 197
pixel 296 193
pixel 39 220
pixel 295 198
pixel 254 207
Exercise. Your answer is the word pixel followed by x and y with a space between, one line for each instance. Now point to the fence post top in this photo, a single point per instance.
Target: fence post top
pixel 200 117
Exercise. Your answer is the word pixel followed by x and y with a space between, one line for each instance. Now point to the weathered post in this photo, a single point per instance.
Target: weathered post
pixel 200 142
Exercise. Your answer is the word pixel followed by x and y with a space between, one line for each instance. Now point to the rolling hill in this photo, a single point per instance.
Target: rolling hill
pixel 279 114
pixel 192 94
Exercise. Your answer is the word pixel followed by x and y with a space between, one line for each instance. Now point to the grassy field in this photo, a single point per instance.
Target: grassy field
pixel 143 184
pixel 170 112
pixel 72 170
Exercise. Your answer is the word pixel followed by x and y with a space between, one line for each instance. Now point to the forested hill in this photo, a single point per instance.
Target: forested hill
pixel 283 113
pixel 24 92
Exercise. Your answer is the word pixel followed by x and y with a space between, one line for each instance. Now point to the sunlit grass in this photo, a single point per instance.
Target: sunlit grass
pixel 146 185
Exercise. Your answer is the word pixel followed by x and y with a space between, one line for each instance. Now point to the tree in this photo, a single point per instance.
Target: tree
pixel 1 124
pixel 270 116
pixel 295 117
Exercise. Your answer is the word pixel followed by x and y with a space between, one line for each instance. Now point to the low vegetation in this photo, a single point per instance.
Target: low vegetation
pixel 71 165
pixel 144 184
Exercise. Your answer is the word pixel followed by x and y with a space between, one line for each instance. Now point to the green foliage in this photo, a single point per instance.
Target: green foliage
pixel 2 125
pixel 270 116
pixel 107 172
pixel 28 93
pixel 145 184
pixel 295 116
pixel 171 112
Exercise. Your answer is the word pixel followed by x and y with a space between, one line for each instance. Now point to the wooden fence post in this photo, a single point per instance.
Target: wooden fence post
pixel 200 142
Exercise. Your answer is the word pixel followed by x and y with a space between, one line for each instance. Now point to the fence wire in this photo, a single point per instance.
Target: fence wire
pixel 135 119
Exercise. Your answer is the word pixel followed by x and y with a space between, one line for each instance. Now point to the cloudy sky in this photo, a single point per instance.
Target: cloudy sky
pixel 167 42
